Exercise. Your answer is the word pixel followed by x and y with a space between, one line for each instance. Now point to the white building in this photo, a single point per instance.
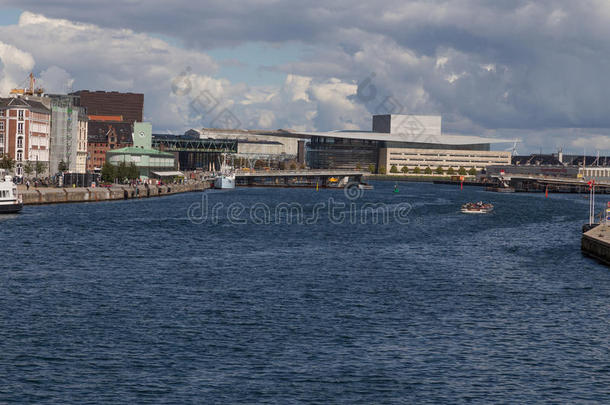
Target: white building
pixel 24 132
pixel 403 141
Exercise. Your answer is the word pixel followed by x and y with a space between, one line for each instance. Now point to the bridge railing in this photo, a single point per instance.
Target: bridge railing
pixel 299 172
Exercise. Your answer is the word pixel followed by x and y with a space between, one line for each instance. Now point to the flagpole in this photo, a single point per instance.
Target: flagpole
pixel 590 199
pixel 593 203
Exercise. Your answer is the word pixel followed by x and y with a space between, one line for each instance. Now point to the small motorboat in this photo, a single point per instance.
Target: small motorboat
pixel 365 186
pixel 477 208
pixel 10 200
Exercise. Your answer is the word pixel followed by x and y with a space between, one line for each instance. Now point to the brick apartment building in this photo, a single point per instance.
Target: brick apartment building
pixel 111 117
pixel 24 131
pixel 104 136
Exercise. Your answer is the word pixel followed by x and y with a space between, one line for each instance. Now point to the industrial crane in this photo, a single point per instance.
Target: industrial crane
pixel 31 91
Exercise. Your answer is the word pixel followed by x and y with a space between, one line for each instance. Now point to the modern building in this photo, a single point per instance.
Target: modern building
pixel 104 136
pixel 129 105
pixel 403 141
pixel 141 154
pixel 24 131
pixel 68 134
pixel 194 153
pixel 554 165
pixel 253 142
pixel 146 160
pixel 204 148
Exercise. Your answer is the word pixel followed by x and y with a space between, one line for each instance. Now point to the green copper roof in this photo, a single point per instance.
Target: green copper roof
pixel 132 150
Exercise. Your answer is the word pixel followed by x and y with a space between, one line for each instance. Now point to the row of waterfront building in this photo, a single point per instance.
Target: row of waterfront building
pixel 79 132
pixel 69 131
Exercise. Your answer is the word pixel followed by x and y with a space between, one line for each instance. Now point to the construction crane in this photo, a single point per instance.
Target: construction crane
pixel 30 91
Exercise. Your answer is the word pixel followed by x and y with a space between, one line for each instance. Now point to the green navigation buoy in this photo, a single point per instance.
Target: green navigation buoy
pixel 396 188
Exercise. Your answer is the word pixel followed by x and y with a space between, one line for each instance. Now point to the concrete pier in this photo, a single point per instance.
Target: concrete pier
pixel 298 178
pixel 596 243
pixel 51 195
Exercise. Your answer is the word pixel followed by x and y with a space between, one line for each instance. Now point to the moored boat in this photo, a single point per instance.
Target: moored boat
pixel 10 200
pixel 225 181
pixel 226 178
pixel 477 208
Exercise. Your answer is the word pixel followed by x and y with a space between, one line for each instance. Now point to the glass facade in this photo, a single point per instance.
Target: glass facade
pixel 344 153
pixel 341 153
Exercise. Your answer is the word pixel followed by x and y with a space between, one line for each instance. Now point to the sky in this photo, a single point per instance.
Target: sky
pixel 534 70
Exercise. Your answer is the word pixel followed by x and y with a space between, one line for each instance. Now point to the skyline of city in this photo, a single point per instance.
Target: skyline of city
pixel 522 72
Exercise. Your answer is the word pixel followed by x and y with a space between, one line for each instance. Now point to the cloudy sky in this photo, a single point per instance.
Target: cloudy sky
pixel 536 70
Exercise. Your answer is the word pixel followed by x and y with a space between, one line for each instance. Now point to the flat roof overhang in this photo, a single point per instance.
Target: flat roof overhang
pixel 447 139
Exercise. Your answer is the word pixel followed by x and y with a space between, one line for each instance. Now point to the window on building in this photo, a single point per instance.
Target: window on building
pixel 19 156
pixel 20 142
pixel 20 128
pixel 20 115
pixel 1 125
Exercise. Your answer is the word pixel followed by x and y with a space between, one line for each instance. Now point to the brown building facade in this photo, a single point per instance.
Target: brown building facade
pixel 104 136
pixel 128 105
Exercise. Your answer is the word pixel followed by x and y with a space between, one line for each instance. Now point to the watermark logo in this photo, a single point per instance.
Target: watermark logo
pixel 334 211
pixel 408 127
pixel 204 106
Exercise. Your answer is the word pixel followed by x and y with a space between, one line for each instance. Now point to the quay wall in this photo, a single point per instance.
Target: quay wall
pixel 35 196
pixel 596 243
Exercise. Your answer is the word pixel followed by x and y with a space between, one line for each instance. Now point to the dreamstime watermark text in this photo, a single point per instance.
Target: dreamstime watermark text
pixel 333 210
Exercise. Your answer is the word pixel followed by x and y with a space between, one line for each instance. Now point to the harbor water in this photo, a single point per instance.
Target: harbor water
pixel 189 299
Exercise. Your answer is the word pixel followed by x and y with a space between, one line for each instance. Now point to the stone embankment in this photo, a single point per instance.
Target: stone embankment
pixel 595 242
pixel 51 195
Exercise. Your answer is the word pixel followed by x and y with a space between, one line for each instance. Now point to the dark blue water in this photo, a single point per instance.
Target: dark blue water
pixel 130 302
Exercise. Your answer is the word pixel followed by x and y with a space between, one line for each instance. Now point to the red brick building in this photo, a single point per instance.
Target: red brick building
pixel 104 136
pixel 24 131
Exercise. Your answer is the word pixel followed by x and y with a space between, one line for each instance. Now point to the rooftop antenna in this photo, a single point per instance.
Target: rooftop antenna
pixel 584 158
pixel 513 150
pixel 596 162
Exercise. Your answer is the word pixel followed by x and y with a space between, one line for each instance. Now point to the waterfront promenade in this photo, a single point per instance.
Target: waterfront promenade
pixel 52 195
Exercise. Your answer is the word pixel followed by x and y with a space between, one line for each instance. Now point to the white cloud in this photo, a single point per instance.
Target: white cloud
pixel 56 80
pixel 73 56
pixel 16 65
pixel 592 143
pixel 486 66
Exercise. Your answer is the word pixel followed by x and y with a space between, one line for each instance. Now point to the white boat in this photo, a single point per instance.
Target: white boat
pixel 225 181
pixel 477 208
pixel 226 177
pixel 10 200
